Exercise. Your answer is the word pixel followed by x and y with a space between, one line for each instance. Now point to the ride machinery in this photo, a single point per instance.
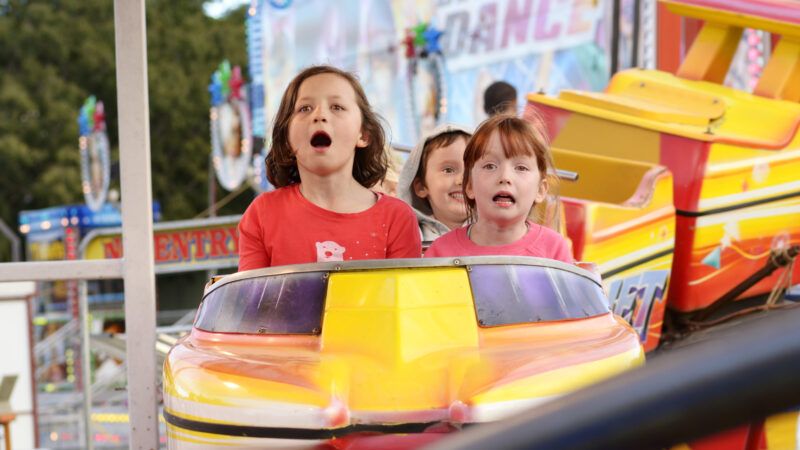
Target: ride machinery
pixel 687 199
pixel 689 190
pixel 686 183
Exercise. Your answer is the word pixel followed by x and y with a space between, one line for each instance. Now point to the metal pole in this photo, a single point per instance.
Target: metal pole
pixel 637 23
pixel 212 187
pixel 15 241
pixel 212 198
pixel 61 270
pixel 86 367
pixel 137 220
pixel 616 11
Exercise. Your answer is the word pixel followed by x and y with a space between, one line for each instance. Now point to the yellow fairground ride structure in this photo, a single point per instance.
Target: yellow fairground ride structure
pixel 687 187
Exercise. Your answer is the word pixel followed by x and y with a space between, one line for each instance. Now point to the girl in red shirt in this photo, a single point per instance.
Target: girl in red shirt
pixel 505 175
pixel 327 151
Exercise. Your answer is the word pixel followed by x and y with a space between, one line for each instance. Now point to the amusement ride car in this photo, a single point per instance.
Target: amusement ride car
pixel 688 201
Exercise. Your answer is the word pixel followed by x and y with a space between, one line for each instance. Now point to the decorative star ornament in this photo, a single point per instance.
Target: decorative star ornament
pixel 408 42
pixel 419 34
pixel 215 89
pixel 432 36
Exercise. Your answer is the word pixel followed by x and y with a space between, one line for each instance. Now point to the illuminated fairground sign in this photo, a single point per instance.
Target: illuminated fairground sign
pixel 178 246
pixel 459 47
pixel 94 147
pixel 231 127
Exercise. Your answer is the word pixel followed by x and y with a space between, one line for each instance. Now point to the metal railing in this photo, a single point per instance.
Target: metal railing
pixel 137 266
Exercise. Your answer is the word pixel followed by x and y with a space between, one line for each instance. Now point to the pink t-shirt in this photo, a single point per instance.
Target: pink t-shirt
pixel 283 227
pixel 539 241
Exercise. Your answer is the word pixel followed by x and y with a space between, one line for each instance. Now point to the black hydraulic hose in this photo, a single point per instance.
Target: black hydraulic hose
pixel 778 258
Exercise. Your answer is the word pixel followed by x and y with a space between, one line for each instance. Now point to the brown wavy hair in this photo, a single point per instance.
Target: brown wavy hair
pixel 518 137
pixel 370 163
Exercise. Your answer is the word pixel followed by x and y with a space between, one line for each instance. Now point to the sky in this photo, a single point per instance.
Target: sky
pixel 216 8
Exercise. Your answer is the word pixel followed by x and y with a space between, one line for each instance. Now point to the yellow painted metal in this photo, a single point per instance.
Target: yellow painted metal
pixel 584 132
pixel 781 77
pixel 775 128
pixel 732 228
pixel 562 381
pixel 732 18
pixel 628 206
pixel 736 175
pixel 782 430
pixel 216 387
pixel 599 177
pixel 391 325
pixel 655 101
pixel 711 53
pixel 180 437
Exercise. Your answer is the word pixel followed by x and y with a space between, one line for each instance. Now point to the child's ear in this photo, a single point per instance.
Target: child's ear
pixel 468 190
pixel 419 188
pixel 363 140
pixel 543 188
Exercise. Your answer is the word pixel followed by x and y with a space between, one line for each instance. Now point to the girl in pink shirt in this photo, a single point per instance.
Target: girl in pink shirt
pixel 505 175
pixel 327 151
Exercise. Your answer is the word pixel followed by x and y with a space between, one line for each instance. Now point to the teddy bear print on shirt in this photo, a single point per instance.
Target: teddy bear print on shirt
pixel 329 251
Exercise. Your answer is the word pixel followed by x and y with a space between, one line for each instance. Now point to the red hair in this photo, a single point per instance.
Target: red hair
pixel 517 137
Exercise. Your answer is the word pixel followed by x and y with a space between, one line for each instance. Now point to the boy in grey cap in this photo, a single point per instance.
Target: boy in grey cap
pixel 431 180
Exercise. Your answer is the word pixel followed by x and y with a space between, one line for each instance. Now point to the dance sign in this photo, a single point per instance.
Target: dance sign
pixel 481 32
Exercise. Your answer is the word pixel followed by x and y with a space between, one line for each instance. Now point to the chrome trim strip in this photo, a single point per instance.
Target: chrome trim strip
pixel 407 263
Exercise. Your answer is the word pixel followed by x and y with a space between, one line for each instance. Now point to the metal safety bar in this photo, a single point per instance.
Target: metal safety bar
pixel 739 375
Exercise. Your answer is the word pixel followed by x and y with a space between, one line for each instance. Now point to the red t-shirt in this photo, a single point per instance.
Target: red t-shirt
pixel 538 241
pixel 282 227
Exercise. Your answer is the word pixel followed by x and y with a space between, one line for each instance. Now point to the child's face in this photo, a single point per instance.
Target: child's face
pixel 325 128
pixel 505 189
pixel 443 175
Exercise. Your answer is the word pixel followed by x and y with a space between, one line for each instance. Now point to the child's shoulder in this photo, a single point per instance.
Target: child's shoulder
pixel 544 231
pixel 280 194
pixel 394 204
pixel 452 243
pixel 453 235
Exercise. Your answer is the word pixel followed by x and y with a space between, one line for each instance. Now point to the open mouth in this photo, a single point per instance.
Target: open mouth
pixel 457 195
pixel 320 139
pixel 504 199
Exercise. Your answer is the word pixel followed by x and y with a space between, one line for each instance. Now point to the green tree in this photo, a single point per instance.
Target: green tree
pixel 56 53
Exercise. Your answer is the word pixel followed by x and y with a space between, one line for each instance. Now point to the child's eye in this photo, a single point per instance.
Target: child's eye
pixel 304 108
pixel 337 107
pixel 449 170
pixel 489 166
pixel 522 168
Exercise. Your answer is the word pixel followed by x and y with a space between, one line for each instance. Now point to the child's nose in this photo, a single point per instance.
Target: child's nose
pixel 319 115
pixel 505 175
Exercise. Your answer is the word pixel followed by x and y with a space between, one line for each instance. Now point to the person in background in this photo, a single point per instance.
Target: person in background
pixel 327 152
pixel 500 98
pixel 505 175
pixel 388 185
pixel 431 181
